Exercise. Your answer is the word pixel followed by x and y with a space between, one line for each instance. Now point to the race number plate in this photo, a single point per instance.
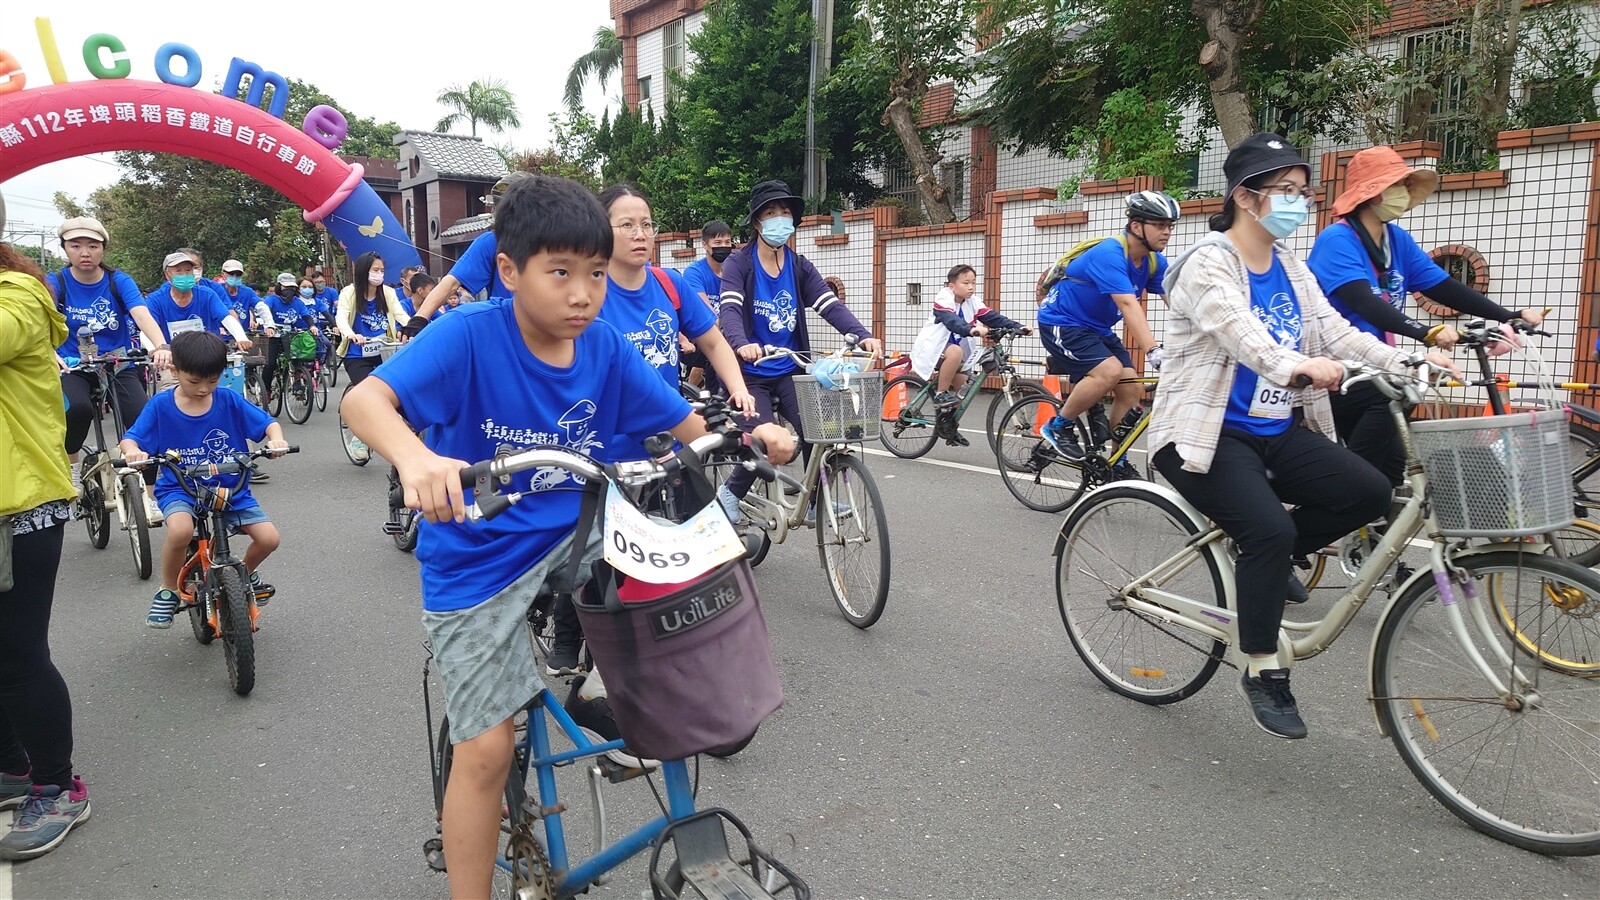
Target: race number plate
pixel 659 553
pixel 1271 401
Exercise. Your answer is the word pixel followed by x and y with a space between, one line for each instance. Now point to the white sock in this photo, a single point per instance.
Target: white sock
pixel 1258 664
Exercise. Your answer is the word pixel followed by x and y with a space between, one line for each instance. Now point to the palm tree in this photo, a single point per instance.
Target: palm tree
pixel 489 102
pixel 600 63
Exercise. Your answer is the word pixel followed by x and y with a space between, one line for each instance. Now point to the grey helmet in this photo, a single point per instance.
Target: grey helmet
pixel 1152 206
pixel 503 185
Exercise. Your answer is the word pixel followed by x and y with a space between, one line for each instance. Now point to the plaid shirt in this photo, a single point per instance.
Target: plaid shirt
pixel 1211 329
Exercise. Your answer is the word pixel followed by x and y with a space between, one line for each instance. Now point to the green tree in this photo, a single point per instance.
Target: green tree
pixel 602 61
pixel 365 137
pixel 288 246
pixel 489 102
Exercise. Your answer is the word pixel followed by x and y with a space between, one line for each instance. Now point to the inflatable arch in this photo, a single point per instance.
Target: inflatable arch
pixel 76 118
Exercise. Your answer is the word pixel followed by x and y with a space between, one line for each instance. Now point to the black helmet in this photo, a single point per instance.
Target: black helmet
pixel 1152 206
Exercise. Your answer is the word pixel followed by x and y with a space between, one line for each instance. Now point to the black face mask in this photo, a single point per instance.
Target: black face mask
pixel 721 254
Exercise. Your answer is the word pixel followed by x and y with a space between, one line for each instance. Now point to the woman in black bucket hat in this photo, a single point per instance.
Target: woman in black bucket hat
pixel 766 287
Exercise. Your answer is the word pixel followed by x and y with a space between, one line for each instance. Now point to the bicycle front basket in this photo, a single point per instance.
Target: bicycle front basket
pixel 303 345
pixel 1497 476
pixel 848 413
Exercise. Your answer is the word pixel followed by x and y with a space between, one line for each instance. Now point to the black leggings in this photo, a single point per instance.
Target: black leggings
pixel 1334 492
pixel 127 388
pixel 35 709
pixel 359 367
pixel 770 393
pixel 1367 427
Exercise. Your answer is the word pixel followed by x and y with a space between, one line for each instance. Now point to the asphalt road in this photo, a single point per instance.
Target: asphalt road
pixel 958 749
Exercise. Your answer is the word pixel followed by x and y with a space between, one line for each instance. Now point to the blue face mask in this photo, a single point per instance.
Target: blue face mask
pixel 777 230
pixel 1288 214
pixel 184 282
pixel 306 292
pixel 235 280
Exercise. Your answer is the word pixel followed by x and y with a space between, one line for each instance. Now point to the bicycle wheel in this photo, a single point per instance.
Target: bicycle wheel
pixel 322 386
pixel 853 538
pixel 912 431
pixel 1563 632
pixel 1521 770
pixel 1034 473
pixel 194 586
pixel 1116 535
pixel 1004 400
pixel 1584 442
pixel 299 398
pixel 1578 542
pixel 252 385
pixel 132 487
pixel 280 386
pixel 238 638
pixel 92 504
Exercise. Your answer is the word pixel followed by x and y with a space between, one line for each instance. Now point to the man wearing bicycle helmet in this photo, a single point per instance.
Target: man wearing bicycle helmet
pixel 1098 288
pixel 475 270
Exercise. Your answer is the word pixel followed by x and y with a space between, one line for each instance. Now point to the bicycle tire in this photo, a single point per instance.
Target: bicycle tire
pixel 1126 650
pixel 299 399
pixel 848 482
pixel 406 541
pixel 911 433
pixel 252 386
pixel 1039 477
pixel 1580 542
pixel 1003 400
pixel 344 441
pixel 1438 709
pixel 132 487
pixel 280 385
pixel 321 384
pixel 1584 441
pixel 92 504
pixel 1566 628
pixel 199 622
pixel 238 637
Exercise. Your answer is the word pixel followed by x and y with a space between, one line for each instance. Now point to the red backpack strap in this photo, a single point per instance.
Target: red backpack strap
pixel 667 285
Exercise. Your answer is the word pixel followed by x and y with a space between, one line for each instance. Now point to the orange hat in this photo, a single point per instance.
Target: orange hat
pixel 1376 169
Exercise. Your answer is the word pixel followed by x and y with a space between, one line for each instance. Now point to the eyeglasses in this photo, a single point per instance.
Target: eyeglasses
pixel 644 228
pixel 1290 189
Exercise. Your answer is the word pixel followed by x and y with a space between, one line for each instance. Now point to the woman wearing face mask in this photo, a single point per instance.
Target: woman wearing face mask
pixel 1367 265
pixel 377 314
pixel 1245 319
pixel 284 308
pixel 765 289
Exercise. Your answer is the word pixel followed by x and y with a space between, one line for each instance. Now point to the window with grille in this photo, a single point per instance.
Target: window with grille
pixel 672 54
pixel 1439 55
pixel 913 293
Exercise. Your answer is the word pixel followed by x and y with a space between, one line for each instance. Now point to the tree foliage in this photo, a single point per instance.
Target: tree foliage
pixel 488 102
pixel 602 61
pixel 1134 136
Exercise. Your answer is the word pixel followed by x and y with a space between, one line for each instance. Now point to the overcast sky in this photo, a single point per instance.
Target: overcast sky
pixel 384 60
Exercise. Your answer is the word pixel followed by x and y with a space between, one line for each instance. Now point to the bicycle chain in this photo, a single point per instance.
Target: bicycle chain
pixel 1161 627
pixel 531 877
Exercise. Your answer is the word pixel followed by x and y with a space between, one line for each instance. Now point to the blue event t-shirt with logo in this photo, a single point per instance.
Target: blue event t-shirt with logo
pixel 327 300
pixel 370 323
pixel 471 381
pixel 1338 257
pixel 96 306
pixel 205 311
pixel 1083 298
pixel 702 280
pixel 476 269
pixel 287 312
pixel 775 309
pixel 215 436
pixel 1261 407
pixel 242 303
pixel 647 318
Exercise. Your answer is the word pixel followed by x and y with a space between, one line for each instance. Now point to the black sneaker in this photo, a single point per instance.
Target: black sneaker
pixel 1272 705
pixel 563 659
pixel 1125 471
pixel 1296 591
pixel 258 474
pixel 957 439
pixel 591 712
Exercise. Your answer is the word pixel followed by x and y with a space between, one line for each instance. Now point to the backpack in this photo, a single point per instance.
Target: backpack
pixel 60 289
pixel 1059 271
pixel 667 285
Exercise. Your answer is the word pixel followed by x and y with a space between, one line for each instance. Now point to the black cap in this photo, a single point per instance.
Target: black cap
pixel 1258 153
pixel 774 191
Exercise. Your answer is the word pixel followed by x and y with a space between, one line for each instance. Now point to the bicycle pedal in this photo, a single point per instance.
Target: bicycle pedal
pixel 392 527
pixel 615 772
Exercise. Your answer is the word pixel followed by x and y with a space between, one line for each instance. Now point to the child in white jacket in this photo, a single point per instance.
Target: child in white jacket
pixel 951 341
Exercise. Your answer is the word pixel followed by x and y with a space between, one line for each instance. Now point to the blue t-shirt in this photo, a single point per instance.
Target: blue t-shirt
pixel 287 312
pixel 98 307
pixel 1261 407
pixel 471 381
pixel 647 318
pixel 205 311
pixel 405 301
pixel 476 269
pixel 1338 258
pixel 212 437
pixel 327 299
pixel 242 303
pixel 701 280
pixel 370 323
pixel 775 309
pixel 1083 298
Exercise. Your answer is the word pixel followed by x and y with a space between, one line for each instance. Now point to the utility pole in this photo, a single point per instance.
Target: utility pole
pixel 816 184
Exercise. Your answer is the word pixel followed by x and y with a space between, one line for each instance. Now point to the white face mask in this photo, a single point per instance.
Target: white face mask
pixel 375 277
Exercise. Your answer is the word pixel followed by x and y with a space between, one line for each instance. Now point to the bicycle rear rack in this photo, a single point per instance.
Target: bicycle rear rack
pixel 707 869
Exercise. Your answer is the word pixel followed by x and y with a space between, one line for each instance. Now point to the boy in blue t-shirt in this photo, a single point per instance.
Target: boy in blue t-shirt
pixel 502 376
pixel 205 424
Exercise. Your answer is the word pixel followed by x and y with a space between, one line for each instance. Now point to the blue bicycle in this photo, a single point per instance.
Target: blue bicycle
pixel 690 854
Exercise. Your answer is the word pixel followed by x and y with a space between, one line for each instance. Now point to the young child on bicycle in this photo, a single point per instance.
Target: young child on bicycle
pixel 502 376
pixel 204 424
pixel 950 342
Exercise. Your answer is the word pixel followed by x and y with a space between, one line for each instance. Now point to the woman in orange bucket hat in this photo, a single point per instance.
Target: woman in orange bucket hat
pixel 1367 265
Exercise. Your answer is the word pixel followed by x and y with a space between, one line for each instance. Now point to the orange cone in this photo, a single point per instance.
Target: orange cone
pixel 1505 395
pixel 1043 413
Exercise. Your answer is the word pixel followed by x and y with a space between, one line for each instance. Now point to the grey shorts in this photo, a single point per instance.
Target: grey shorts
pixel 485 654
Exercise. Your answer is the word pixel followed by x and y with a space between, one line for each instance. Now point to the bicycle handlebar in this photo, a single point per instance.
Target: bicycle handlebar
pixel 238 464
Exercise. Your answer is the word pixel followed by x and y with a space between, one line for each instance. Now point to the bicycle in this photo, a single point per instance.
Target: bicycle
pixel 213 585
pixel 1145 590
pixel 292 385
pixel 913 422
pixel 100 488
pixel 851 529
pixel 537 863
pixel 347 438
pixel 1044 480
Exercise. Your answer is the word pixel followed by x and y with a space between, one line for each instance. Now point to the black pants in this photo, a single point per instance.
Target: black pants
pixel 1367 427
pixel 1334 492
pixel 127 387
pixel 770 393
pixel 359 367
pixel 35 709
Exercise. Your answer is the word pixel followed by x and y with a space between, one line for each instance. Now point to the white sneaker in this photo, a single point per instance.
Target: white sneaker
pixel 152 512
pixel 730 503
pixel 358 448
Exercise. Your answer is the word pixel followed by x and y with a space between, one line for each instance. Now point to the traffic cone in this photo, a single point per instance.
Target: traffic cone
pixel 1505 395
pixel 1043 413
pixel 894 398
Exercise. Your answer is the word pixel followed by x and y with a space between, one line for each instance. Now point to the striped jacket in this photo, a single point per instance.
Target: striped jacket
pixel 1211 329
pixel 739 281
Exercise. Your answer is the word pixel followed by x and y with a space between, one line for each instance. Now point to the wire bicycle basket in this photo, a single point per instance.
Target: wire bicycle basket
pixel 846 413
pixel 1497 476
